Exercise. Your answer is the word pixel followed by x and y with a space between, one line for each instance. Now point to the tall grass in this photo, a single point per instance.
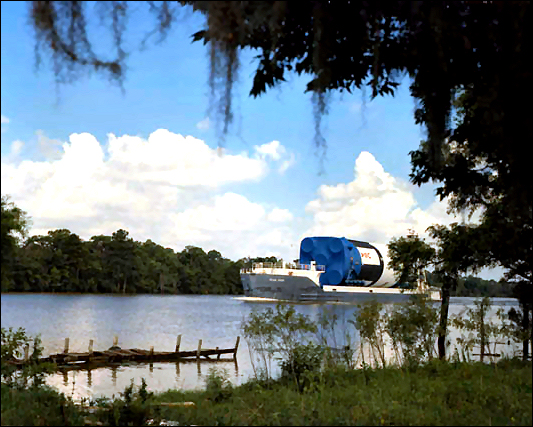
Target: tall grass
pixel 435 393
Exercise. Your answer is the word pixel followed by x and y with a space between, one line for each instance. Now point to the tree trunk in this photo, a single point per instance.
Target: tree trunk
pixel 482 331
pixel 525 327
pixel 441 342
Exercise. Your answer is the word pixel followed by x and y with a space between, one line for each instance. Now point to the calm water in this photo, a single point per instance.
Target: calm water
pixel 142 321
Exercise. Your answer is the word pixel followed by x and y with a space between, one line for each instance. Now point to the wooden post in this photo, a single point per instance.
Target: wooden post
pixel 236 348
pixel 199 349
pixel 115 340
pixel 151 351
pixel 65 350
pixel 178 342
pixel 27 352
pixel 91 346
pixel 218 354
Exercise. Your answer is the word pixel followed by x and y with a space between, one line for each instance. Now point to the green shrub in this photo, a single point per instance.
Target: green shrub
pixel 371 323
pixel 412 327
pixel 132 409
pixel 40 405
pixel 477 331
pixel 217 386
pixel 270 334
pixel 13 345
pixel 304 359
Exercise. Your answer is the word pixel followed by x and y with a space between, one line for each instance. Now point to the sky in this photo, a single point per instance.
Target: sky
pixel 93 159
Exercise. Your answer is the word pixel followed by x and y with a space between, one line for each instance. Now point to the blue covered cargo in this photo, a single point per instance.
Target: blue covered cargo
pixel 346 261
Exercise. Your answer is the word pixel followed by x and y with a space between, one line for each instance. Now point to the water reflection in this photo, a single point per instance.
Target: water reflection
pixel 114 375
pixel 164 322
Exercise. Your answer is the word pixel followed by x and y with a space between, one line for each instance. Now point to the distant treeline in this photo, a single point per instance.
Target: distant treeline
pixel 475 287
pixel 62 262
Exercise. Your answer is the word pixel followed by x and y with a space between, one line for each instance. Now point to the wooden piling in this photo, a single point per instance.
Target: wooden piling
pixel 27 352
pixel 66 346
pixel 236 348
pixel 178 342
pixel 218 354
pixel 91 346
pixel 115 340
pixel 199 349
pixel 151 351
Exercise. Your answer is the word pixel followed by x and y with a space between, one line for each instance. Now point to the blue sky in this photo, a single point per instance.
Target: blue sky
pixel 89 158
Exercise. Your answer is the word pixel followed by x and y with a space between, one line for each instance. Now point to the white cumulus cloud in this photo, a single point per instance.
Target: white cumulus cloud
pixel 177 191
pixel 167 187
pixel 273 149
pixel 203 124
pixel 4 121
pixel 280 215
pixel 166 157
pixel 373 207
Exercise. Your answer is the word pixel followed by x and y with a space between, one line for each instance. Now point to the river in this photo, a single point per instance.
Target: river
pixel 142 321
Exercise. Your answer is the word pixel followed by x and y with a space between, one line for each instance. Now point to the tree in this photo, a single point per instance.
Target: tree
pixel 408 257
pixel 456 253
pixel 460 248
pixel 443 46
pixel 69 256
pixel 62 262
pixel 14 228
pixel 100 277
pixel 484 169
pixel 122 256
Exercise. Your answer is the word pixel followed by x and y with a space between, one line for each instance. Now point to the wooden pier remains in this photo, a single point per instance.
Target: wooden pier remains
pixel 116 355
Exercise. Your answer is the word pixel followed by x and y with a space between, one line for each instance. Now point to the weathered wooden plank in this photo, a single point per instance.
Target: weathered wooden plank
pixel 117 355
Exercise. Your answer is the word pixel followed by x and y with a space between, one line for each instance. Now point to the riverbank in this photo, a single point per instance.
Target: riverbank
pixel 436 393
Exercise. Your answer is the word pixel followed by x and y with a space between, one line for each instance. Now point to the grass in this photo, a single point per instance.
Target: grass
pixel 436 393
pixel 439 393
pixel 37 406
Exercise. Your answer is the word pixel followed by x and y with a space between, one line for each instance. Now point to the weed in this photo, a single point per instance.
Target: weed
pixel 218 388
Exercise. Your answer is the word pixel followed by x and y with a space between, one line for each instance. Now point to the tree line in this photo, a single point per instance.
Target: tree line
pixel 471 286
pixel 63 262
